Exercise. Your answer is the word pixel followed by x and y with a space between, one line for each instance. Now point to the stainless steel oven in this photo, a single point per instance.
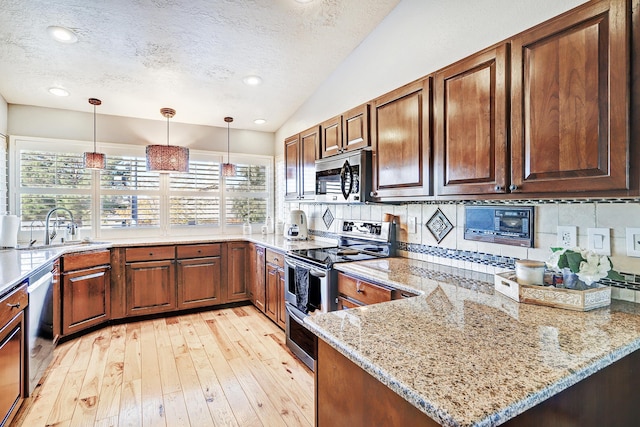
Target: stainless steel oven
pixel 311 282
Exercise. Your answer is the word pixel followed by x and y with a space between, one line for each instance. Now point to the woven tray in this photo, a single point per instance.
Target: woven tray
pixel 569 299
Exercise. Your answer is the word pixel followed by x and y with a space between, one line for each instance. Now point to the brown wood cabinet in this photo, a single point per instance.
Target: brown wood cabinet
pixel 401 140
pixel 346 132
pixel 86 287
pixel 199 275
pixel 150 280
pixel 237 272
pixel 355 292
pixel 257 270
pixel 300 153
pixel 12 362
pixel 570 102
pixel 471 123
pixel 275 286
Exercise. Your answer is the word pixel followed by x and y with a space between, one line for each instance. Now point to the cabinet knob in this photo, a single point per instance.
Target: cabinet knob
pixel 373 193
pixel 16 305
pixel 513 187
pixel 498 188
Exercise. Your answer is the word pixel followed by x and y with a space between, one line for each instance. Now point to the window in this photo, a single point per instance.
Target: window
pixel 124 196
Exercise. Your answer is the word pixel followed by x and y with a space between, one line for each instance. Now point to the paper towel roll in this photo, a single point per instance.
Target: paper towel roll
pixel 9 225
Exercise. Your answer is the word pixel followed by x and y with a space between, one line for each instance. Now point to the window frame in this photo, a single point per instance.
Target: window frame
pixel 164 192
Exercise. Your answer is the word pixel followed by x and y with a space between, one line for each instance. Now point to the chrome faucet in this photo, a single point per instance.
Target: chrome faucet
pixel 48 237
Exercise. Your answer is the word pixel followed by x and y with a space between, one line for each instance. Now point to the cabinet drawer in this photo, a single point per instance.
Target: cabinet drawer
pixel 150 253
pixel 82 260
pixel 13 304
pixel 198 251
pixel 274 257
pixel 362 291
pixel 345 304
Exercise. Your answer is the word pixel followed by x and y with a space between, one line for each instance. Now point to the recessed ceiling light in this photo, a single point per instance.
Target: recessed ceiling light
pixel 62 34
pixel 58 91
pixel 252 80
pixel 259 121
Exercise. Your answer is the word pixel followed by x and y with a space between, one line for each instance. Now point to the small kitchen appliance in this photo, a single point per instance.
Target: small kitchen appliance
pixel 296 228
pixel 9 226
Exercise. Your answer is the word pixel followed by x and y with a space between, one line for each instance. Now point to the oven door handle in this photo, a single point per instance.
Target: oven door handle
pixel 316 273
pixel 295 313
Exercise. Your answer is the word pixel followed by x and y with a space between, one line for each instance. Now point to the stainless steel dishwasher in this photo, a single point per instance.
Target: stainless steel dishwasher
pixel 40 324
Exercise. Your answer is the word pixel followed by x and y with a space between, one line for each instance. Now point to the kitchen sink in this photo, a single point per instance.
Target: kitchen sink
pixel 62 245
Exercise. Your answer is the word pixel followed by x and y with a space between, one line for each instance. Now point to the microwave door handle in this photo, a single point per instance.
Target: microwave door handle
pixel 346 169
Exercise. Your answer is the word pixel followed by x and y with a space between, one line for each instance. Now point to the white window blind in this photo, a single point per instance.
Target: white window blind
pixel 195 196
pixel 248 196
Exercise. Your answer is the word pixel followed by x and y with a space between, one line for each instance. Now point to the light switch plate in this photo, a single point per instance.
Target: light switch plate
pixel 411 225
pixel 633 242
pixel 599 240
pixel 567 236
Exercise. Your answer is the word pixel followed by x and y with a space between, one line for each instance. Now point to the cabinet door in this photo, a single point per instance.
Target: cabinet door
pixel 199 282
pixel 272 294
pixel 470 114
pixel 331 140
pixel 309 145
pixel 259 288
pixel 291 167
pixel 237 271
pixel 570 102
pixel 355 128
pixel 151 287
pixel 85 298
pixel 401 142
pixel 12 372
pixel 282 312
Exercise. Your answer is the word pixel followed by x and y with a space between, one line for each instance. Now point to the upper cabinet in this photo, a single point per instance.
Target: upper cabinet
pixel 401 140
pixel 300 153
pixel 570 102
pixel 346 132
pixel 470 123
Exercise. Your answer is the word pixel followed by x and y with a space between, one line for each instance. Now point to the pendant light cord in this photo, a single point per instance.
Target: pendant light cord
pixel 228 157
pixel 94 128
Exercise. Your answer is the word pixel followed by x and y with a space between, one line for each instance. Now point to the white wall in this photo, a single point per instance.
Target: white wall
pixel 415 39
pixel 3 155
pixel 3 115
pixel 24 120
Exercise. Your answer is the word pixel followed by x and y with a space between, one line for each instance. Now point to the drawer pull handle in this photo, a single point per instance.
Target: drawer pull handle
pixel 150 253
pixel 16 305
pixel 275 259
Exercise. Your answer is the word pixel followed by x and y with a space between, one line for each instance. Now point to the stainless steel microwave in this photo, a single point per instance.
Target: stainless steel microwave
pixel 507 225
pixel 344 178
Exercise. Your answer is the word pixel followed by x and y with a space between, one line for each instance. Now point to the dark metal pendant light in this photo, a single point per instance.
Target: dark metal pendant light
pixel 94 160
pixel 167 158
pixel 228 169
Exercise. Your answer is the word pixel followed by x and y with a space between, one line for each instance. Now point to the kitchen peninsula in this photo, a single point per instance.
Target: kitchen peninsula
pixel 463 355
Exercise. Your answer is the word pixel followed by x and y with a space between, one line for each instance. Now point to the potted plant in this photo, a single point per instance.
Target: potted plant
pixel 581 268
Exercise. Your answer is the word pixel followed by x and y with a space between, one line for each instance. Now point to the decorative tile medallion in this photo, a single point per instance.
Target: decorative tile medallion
pixel 439 225
pixel 327 217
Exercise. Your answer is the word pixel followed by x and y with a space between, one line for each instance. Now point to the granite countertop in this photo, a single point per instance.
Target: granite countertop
pixel 464 355
pixel 17 264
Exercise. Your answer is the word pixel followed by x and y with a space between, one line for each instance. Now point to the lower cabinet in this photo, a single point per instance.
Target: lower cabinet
pixel 85 290
pixel 257 276
pixel 275 286
pixel 12 353
pixel 199 275
pixel 237 272
pixel 151 287
pixel 353 292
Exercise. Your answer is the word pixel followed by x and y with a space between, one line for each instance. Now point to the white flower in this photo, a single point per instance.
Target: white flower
pixel 593 268
pixel 552 262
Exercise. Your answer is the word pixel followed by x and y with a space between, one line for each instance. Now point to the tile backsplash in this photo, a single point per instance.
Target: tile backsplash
pixel 454 250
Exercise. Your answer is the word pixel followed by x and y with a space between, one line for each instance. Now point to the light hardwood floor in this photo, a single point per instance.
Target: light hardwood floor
pixel 226 367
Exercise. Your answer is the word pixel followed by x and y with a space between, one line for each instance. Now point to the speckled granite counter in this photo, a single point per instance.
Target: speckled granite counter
pixel 465 356
pixel 15 265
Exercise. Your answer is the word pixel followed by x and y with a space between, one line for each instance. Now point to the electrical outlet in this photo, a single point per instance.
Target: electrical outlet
pixel 411 225
pixel 599 240
pixel 567 236
pixel 633 242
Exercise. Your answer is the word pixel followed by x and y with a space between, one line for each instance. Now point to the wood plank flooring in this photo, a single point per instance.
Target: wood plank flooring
pixel 226 367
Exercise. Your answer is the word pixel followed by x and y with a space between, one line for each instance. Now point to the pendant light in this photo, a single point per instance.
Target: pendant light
pixel 93 160
pixel 228 169
pixel 167 158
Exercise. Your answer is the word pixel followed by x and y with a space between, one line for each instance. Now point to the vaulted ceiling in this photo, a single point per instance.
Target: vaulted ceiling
pixel 192 55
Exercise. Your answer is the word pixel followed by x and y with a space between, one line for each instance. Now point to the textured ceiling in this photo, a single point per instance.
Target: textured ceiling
pixel 140 55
